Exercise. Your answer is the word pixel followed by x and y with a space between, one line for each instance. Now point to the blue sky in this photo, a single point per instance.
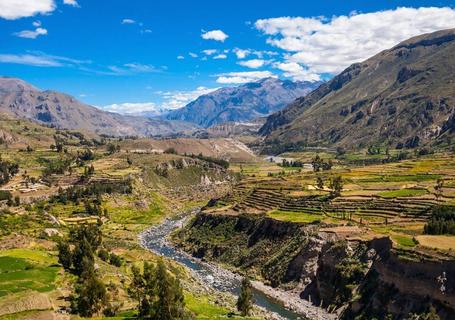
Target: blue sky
pixel 152 54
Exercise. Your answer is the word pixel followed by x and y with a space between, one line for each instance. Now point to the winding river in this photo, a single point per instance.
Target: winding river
pixel 154 239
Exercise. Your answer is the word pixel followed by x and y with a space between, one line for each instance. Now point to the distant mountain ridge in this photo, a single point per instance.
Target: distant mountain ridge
pixel 242 104
pixel 22 100
pixel 403 97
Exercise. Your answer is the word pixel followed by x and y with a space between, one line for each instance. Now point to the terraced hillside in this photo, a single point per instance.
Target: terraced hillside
pixel 359 252
pixel 393 199
pixel 68 180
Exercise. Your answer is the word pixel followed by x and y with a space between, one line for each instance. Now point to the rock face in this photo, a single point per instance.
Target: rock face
pixel 22 100
pixel 243 103
pixel 401 97
pixel 319 267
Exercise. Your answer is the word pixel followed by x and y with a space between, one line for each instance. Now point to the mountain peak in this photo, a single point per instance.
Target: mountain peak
pixel 242 104
pixel 8 84
pixel 401 97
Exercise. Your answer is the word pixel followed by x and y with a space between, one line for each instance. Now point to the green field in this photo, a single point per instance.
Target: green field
pixel 295 216
pixel 403 193
pixel 19 274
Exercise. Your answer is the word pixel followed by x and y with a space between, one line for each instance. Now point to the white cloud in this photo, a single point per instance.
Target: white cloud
pixel 329 45
pixel 241 53
pixel 171 100
pixel 71 3
pixel 179 99
pixel 31 34
pixel 296 71
pixel 180 57
pixel 243 77
pixel 36 23
pixel 133 68
pixel 253 63
pixel 31 60
pixel 40 59
pixel 128 21
pixel 216 35
pixel 193 55
pixel 15 9
pixel 209 52
pixel 220 56
pixel 132 108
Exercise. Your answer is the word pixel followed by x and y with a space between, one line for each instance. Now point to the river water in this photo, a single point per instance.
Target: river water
pixel 217 278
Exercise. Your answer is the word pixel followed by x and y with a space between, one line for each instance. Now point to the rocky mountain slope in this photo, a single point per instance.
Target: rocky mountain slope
pixel 22 100
pixel 354 279
pixel 401 97
pixel 243 103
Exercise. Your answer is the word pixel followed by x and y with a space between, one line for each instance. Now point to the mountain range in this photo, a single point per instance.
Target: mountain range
pixel 22 100
pixel 403 97
pixel 242 104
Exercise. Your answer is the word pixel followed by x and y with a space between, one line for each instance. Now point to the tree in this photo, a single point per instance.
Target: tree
pixel 245 300
pixel 320 182
pixel 17 201
pixel 336 186
pixel 115 260
pixel 82 251
pixel 90 296
pixel 64 254
pixel 157 292
pixel 112 148
pixel 317 163
pixel 170 303
pixel 438 188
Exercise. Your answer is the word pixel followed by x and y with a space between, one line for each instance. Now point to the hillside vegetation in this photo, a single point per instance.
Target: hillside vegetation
pixel 403 97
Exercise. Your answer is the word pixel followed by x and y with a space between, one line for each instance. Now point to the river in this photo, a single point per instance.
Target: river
pixel 154 239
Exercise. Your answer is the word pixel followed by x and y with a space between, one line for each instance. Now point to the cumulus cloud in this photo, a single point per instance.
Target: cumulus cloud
pixel 319 45
pixel 253 63
pixel 180 57
pixel 178 99
pixel 193 55
pixel 216 35
pixel 15 9
pixel 296 71
pixel 31 34
pixel 71 3
pixel 39 59
pixel 243 77
pixel 220 56
pixel 209 52
pixel 36 23
pixel 133 108
pixel 241 53
pixel 128 21
pixel 170 100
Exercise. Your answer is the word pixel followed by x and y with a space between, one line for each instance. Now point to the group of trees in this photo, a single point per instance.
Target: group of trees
pixel 8 196
pixel 7 170
pixel 320 164
pixel 158 293
pixel 113 148
pixel 335 185
pixel 220 162
pixel 57 166
pixel 289 163
pixel 77 255
pixel 442 221
pixel 94 190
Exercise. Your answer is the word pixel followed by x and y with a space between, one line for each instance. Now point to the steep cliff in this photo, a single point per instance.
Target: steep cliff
pixel 362 279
